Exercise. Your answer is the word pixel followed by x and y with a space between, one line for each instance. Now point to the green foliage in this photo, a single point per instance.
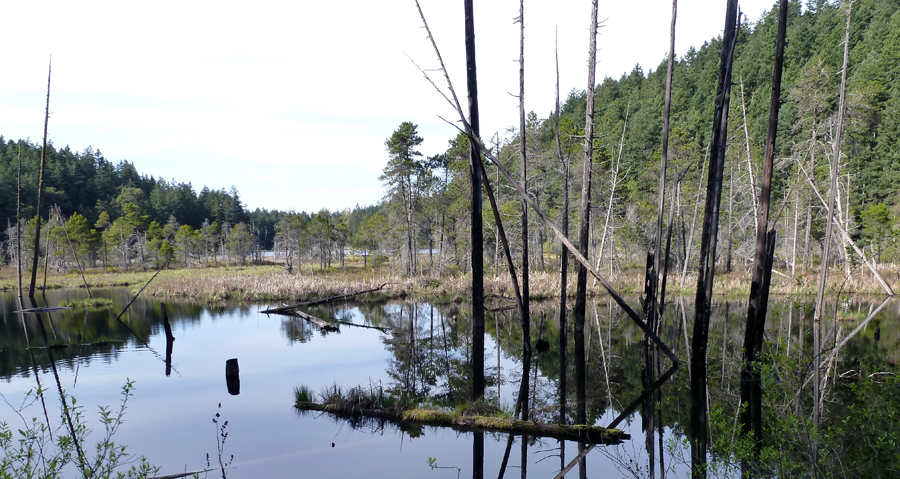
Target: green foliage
pixel 878 229
pixel 39 449
pixel 166 254
pixel 239 242
pixel 849 442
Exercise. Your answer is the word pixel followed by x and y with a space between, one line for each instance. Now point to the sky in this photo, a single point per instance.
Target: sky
pixel 291 101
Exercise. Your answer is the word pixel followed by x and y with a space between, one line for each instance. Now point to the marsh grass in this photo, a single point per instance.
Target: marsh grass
pixel 87 303
pixel 371 407
pixel 269 282
pixel 374 398
pixel 304 393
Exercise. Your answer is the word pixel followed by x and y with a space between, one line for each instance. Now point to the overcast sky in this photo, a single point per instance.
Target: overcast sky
pixel 291 101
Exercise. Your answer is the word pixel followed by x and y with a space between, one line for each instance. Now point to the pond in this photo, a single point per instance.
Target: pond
pixel 418 348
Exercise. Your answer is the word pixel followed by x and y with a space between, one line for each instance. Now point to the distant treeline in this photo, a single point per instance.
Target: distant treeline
pixel 120 216
pixel 87 183
pixel 427 200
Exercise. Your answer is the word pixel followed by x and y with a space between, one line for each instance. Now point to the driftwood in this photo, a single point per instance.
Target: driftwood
pixel 428 417
pixel 325 325
pixel 500 309
pixel 366 326
pixel 330 299
pixel 42 310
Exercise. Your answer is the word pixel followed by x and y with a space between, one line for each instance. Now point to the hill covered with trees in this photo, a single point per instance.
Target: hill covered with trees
pixel 427 197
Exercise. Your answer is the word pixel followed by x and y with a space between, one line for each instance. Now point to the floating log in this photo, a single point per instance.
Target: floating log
pixel 366 326
pixel 325 325
pixel 433 417
pixel 330 299
pixel 42 310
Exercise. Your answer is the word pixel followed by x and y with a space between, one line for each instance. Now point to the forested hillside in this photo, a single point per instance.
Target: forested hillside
pixel 429 194
pixel 88 184
pixel 426 201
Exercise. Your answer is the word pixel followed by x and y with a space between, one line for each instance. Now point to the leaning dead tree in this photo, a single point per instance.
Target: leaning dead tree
pixel 829 222
pixel 452 99
pixel 37 231
pixel 703 303
pixel 576 254
pixel 751 389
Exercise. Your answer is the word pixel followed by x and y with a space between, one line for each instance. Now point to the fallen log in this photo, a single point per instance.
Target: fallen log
pixel 325 325
pixel 330 299
pixel 366 326
pixel 42 310
pixel 434 417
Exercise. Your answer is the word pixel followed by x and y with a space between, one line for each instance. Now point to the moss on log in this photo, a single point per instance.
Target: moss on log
pixel 436 417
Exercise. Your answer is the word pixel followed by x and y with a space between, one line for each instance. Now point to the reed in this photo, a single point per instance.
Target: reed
pixel 87 303
pixel 270 283
pixel 360 403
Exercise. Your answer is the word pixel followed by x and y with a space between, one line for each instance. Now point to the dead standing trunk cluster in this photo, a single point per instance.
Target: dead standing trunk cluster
pixel 698 415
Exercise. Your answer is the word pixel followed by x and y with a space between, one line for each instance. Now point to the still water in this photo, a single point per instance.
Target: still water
pixel 415 347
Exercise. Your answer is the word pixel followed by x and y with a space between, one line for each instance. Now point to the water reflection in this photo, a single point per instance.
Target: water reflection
pixel 418 350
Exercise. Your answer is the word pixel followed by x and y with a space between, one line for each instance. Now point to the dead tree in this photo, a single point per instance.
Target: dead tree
pixel 584 227
pixel 651 307
pixel 37 233
pixel 751 390
pixel 564 262
pixel 477 233
pixel 525 313
pixel 829 222
pixel 698 415
pixel 19 223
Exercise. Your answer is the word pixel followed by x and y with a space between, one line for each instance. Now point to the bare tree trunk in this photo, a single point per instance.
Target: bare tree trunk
pixel 820 294
pixel 812 165
pixel 525 312
pixel 581 285
pixel 753 199
pixel 690 239
pixel 751 390
pixel 849 240
pixel 705 278
pixel 730 218
pixel 477 233
pixel 19 223
pixel 564 265
pixel 612 195
pixel 845 220
pixel 794 236
pixel 37 232
pixel 652 280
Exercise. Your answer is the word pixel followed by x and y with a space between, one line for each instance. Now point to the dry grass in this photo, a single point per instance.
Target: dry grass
pixel 272 283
